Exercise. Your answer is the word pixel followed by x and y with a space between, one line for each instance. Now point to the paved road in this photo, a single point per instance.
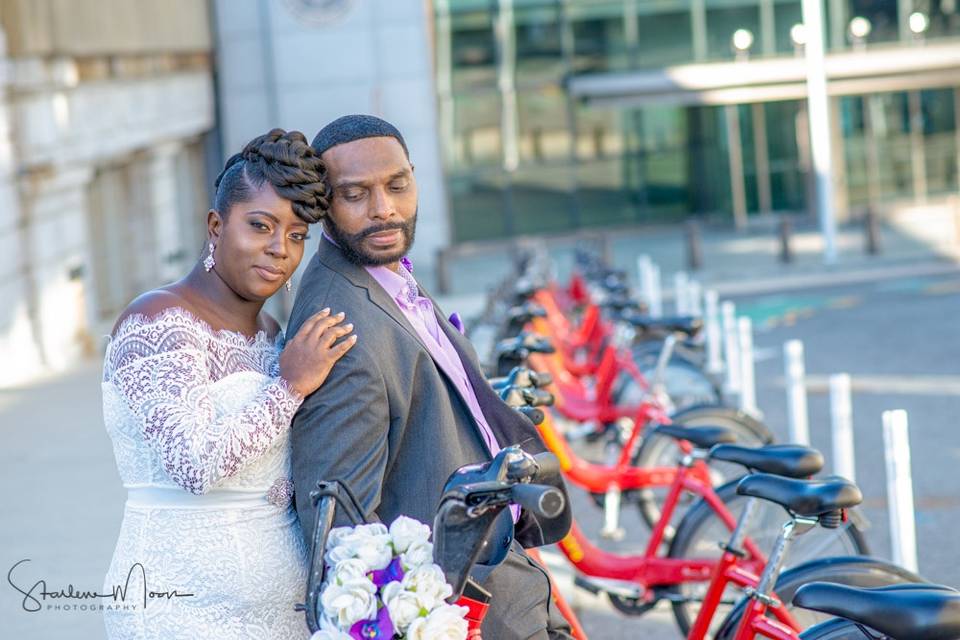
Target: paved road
pixel 62 499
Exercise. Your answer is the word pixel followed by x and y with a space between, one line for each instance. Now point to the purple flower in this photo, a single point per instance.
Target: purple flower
pixel 379 629
pixel 393 573
pixel 457 322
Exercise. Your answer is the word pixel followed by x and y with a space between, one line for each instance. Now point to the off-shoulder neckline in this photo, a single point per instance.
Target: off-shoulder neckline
pixel 237 337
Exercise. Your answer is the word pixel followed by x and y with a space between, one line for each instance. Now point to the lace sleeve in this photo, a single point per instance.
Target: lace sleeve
pixel 160 369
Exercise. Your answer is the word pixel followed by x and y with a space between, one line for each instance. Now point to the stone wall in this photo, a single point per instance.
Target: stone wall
pixel 102 105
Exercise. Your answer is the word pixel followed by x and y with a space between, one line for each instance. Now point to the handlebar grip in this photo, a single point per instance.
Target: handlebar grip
pixel 538 397
pixel 549 465
pixel 533 414
pixel 542 501
pixel 541 378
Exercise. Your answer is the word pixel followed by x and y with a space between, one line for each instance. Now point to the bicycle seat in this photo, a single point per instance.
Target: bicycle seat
pixel 903 611
pixel 689 326
pixel 809 498
pixel 699 437
pixel 791 460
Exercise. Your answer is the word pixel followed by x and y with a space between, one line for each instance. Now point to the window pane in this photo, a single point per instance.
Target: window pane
pixel 664 39
pixel 544 132
pixel 473 52
pixel 476 129
pixel 538 41
pixel 723 21
pixel 598 34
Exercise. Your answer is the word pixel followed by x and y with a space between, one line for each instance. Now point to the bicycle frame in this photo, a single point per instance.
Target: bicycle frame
pixel 651 569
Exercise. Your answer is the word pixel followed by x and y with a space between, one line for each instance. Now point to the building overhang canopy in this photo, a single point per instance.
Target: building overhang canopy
pixel 782 78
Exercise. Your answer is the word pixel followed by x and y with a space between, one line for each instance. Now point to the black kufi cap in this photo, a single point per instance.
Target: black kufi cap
pixel 354 127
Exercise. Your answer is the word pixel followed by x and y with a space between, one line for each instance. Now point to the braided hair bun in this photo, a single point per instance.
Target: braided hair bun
pixel 285 160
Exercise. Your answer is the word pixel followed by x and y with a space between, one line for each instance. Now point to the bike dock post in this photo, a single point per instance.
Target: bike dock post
pixel 794 374
pixel 695 299
pixel 711 330
pixel 649 276
pixel 903 526
pixel 841 426
pixel 681 283
pixel 731 347
pixel 748 385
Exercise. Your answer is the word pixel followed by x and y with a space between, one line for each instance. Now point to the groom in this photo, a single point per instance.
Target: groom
pixel 408 404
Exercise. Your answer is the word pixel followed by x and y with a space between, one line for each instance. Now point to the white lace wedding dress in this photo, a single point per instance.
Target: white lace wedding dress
pixel 199 421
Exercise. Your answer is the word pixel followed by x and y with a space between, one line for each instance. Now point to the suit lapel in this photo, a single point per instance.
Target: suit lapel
pixel 333 257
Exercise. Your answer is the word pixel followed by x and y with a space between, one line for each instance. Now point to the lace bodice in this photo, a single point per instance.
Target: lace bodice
pixel 192 407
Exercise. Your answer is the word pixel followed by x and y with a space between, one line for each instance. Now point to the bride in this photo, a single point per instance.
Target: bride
pixel 198 400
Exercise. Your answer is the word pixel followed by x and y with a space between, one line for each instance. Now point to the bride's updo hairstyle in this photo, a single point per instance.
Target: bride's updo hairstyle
pixel 285 160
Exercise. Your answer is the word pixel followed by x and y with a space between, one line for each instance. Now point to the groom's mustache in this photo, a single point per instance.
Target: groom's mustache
pixel 403 226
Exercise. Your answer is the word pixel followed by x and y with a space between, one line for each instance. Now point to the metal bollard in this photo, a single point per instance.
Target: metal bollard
pixel 748 386
pixel 871 224
pixel 903 526
pixel 794 373
pixel 841 426
pixel 731 346
pixel 694 245
pixel 786 228
pixel 711 330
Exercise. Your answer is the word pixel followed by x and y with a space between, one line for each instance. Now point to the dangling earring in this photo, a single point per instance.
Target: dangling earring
pixel 208 262
pixel 289 286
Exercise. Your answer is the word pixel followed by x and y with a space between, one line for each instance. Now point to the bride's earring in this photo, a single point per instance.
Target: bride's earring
pixel 208 262
pixel 289 286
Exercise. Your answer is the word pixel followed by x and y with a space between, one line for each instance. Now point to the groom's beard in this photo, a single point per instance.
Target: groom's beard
pixel 352 243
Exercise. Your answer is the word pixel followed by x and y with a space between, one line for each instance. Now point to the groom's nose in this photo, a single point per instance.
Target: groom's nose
pixel 383 205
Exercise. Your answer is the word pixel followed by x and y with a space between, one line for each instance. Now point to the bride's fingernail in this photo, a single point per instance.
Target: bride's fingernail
pixel 325 311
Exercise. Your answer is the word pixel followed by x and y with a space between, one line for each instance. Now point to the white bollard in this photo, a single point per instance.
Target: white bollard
pixel 748 386
pixel 841 426
pixel 711 330
pixel 645 279
pixel 903 527
pixel 695 299
pixel 681 281
pixel 794 373
pixel 656 303
pixel 731 346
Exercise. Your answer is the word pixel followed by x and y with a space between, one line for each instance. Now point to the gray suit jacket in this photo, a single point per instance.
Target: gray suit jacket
pixel 390 423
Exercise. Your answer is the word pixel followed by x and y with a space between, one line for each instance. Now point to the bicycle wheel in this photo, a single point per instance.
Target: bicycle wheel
pixel 657 451
pixel 701 532
pixel 686 384
pixel 840 629
pixel 858 572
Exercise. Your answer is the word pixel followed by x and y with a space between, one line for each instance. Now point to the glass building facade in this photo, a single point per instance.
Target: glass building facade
pixel 559 115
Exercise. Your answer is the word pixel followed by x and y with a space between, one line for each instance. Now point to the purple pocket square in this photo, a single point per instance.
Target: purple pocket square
pixel 457 321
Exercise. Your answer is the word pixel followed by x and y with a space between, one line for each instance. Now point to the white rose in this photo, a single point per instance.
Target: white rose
pixel 368 542
pixel 406 532
pixel 376 552
pixel 446 622
pixel 401 604
pixel 349 568
pixel 336 555
pixel 429 584
pixel 354 600
pixel 418 554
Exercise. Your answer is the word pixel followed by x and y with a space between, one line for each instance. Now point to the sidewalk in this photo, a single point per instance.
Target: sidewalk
pixel 733 263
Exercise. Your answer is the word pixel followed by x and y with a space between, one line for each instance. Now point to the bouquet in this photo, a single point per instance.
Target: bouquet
pixel 382 584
